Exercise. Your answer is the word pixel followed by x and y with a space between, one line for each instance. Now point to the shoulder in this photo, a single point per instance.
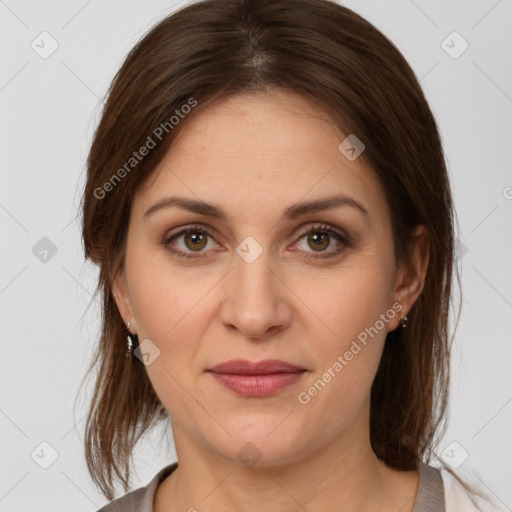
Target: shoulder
pixel 130 502
pixel 141 499
pixel 457 498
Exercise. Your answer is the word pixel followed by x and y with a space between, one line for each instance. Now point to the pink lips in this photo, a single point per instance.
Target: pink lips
pixel 256 379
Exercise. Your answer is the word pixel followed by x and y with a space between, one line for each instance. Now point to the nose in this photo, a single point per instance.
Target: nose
pixel 255 298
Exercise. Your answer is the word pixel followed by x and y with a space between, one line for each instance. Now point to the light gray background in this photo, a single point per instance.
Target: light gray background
pixel 49 108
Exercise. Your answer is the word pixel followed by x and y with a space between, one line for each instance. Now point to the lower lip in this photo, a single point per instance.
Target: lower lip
pixel 257 385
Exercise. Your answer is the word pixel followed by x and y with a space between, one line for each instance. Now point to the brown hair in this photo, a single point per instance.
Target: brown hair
pixel 213 49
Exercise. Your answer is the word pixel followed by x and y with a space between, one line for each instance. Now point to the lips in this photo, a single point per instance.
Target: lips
pixel 244 367
pixel 256 379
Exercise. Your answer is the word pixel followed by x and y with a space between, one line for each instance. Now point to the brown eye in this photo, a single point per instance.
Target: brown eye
pixel 195 240
pixel 318 240
pixel 185 242
pixel 322 239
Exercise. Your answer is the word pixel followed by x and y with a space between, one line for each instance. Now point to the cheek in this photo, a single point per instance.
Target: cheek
pixel 169 312
pixel 160 296
pixel 347 358
pixel 348 300
pixel 355 315
pixel 170 308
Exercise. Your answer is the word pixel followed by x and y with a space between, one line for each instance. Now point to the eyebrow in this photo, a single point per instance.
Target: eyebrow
pixel 292 212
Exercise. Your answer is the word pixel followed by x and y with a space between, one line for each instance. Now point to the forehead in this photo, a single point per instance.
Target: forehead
pixel 267 147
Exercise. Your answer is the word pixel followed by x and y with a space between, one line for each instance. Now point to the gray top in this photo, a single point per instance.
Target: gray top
pixel 429 498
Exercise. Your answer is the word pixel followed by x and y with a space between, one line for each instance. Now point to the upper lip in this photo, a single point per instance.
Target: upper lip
pixel 245 367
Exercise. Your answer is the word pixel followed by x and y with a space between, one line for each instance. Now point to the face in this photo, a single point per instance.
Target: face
pixel 262 279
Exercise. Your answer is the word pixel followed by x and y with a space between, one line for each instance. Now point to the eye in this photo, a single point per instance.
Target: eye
pixel 193 240
pixel 320 237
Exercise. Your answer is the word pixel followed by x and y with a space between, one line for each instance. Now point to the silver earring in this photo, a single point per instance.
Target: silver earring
pixel 403 322
pixel 129 339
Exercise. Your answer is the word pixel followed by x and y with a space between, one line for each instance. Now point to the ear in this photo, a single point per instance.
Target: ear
pixel 122 298
pixel 412 271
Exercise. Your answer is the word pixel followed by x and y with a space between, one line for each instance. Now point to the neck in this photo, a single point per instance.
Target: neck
pixel 344 470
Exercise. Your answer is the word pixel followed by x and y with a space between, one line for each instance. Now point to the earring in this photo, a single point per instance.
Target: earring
pixel 403 322
pixel 130 339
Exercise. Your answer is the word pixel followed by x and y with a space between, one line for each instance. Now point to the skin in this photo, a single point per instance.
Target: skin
pixel 255 155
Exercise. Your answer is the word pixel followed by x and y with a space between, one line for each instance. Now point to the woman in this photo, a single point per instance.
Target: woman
pixel 268 203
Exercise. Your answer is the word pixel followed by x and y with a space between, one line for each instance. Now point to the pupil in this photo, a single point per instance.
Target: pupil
pixel 319 240
pixel 196 238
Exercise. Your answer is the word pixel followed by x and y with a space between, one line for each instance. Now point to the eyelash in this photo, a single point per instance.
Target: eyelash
pixel 317 228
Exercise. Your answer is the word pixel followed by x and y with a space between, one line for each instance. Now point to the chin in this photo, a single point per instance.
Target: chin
pixel 263 443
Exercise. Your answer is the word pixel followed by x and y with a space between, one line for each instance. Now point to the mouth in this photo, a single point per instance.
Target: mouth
pixel 256 379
